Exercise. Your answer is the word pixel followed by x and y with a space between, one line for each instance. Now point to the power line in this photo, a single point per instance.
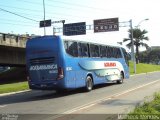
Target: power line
pixel 28 14
pixel 66 3
pixel 11 20
pixel 77 5
pixel 37 11
pixel 17 14
pixel 33 10
pixel 22 25
pixel 100 10
pixel 63 7
pixel 36 3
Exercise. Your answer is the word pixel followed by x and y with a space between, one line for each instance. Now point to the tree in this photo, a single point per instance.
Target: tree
pixel 138 38
pixel 150 56
pixel 144 56
pixel 154 56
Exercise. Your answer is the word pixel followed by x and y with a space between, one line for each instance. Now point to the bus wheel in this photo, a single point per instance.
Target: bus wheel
pixel 89 84
pixel 121 79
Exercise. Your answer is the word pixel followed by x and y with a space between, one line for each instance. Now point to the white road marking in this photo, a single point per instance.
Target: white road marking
pixel 127 91
pixel 85 106
pixel 1 106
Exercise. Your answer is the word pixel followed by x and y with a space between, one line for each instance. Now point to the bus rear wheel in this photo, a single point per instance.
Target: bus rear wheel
pixel 121 79
pixel 89 84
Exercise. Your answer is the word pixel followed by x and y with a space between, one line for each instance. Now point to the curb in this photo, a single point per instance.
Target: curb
pixel 143 73
pixel 12 93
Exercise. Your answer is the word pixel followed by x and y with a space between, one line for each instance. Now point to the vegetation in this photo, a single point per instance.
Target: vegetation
pixel 150 56
pixel 138 40
pixel 6 88
pixel 143 68
pixel 148 108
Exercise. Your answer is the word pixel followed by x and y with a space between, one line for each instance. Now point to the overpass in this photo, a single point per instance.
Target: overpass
pixel 12 50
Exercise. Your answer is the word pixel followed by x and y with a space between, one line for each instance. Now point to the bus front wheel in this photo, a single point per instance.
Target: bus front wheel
pixel 89 84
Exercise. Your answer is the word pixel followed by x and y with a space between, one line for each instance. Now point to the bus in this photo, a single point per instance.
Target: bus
pixel 56 64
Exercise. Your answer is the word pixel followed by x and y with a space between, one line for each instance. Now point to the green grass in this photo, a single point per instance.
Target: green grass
pixel 6 88
pixel 148 108
pixel 143 68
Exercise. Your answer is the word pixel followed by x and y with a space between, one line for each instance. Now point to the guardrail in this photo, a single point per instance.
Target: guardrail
pixel 12 40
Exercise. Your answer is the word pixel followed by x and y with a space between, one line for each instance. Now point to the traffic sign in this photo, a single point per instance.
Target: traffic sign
pixel 106 25
pixel 60 21
pixel 45 23
pixel 74 29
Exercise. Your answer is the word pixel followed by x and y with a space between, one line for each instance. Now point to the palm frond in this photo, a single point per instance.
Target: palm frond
pixel 138 37
pixel 126 39
pixel 129 45
pixel 144 45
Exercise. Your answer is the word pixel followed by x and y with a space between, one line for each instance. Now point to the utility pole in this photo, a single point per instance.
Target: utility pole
pixel 132 47
pixel 44 17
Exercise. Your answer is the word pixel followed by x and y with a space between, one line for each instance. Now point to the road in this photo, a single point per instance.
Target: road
pixel 104 99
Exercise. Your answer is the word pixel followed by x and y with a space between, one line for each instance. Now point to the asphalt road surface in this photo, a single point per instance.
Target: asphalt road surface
pixel 105 101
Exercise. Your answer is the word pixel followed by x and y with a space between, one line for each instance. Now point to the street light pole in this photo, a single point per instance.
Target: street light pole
pixel 132 47
pixel 141 22
pixel 132 42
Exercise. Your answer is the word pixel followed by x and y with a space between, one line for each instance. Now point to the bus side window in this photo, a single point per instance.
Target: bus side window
pixel 79 50
pixel 94 50
pixel 84 52
pixel 119 55
pixel 112 52
pixel 125 56
pixel 109 52
pixel 97 51
pixel 106 51
pixel 103 51
pixel 66 46
pixel 71 48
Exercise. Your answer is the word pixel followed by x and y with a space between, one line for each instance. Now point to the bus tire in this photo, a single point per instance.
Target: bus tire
pixel 89 84
pixel 61 91
pixel 121 79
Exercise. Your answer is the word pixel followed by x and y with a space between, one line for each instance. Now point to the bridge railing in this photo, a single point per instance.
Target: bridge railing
pixel 12 40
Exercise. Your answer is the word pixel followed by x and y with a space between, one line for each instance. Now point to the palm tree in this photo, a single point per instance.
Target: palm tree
pixel 138 38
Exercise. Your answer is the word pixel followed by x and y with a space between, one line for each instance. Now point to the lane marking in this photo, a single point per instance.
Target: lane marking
pixel 143 73
pixel 127 91
pixel 2 106
pixel 85 106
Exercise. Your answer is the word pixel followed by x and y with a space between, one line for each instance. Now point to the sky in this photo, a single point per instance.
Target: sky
pixel 73 11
